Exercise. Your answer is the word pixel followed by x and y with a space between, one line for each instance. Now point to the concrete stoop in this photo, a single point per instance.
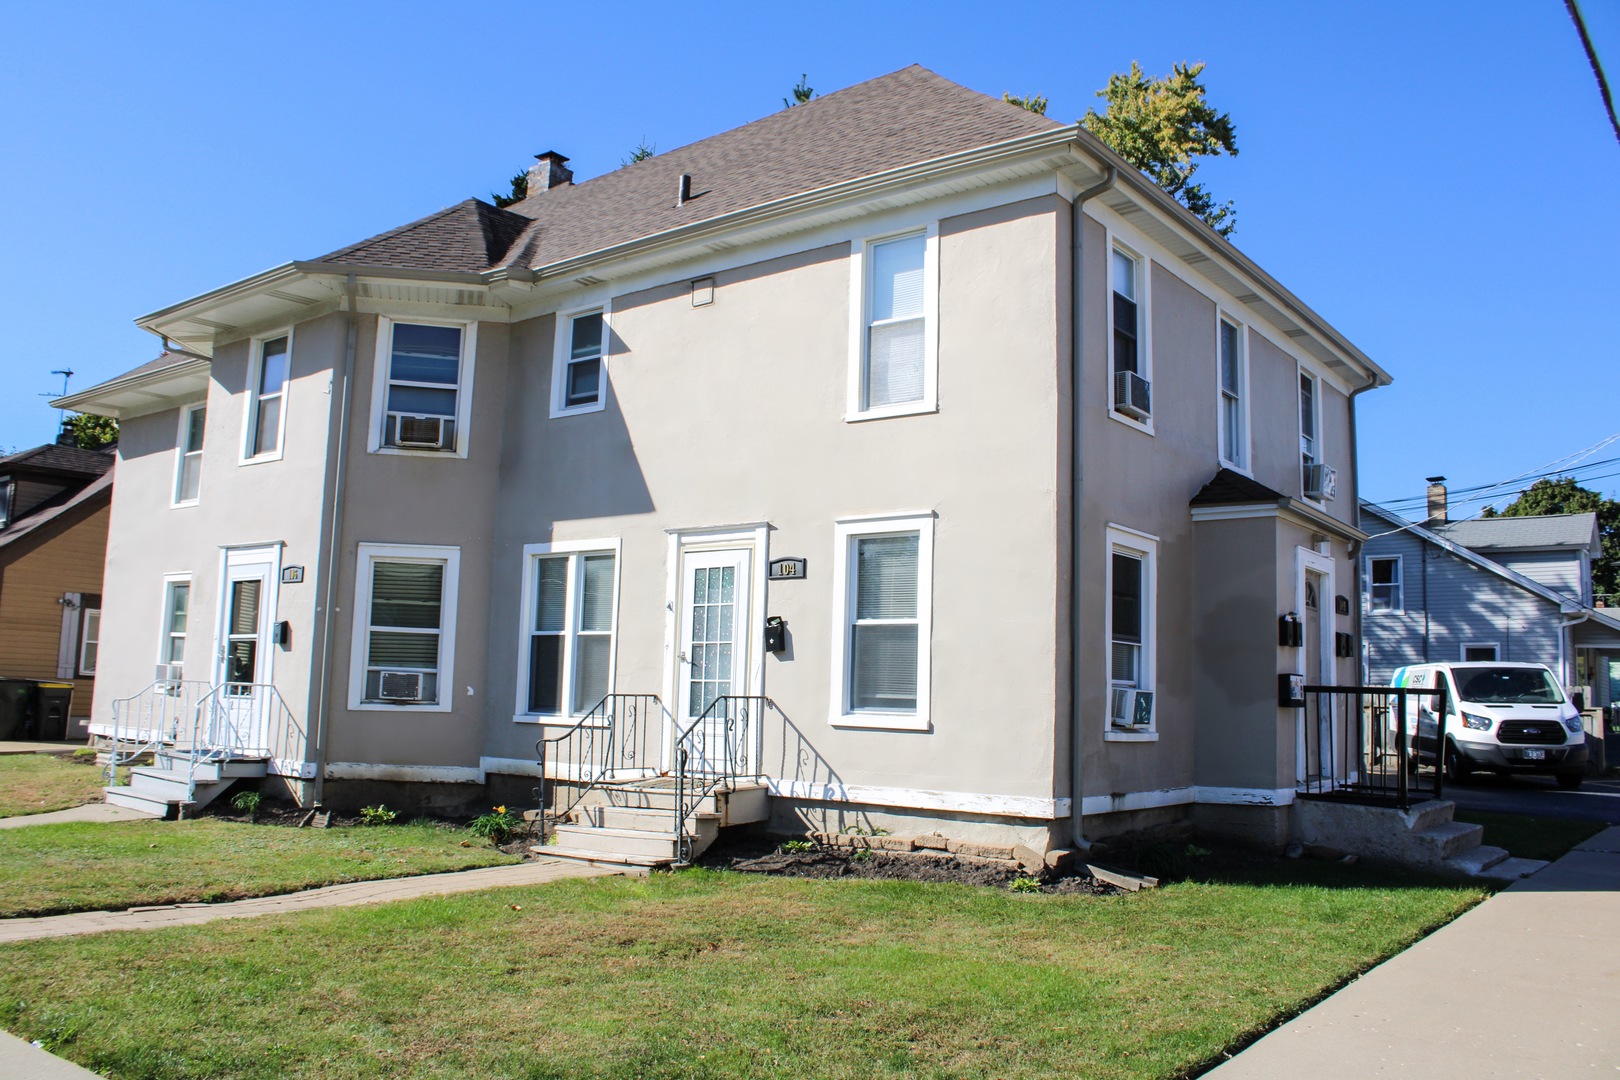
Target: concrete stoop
pixel 632 824
pixel 171 784
pixel 1424 838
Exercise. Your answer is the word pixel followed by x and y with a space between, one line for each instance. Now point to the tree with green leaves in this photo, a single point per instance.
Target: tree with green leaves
pixel 642 152
pixel 1162 126
pixel 1035 103
pixel 1563 496
pixel 92 432
pixel 520 191
pixel 801 93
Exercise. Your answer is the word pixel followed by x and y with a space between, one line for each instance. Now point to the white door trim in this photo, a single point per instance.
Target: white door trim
pixel 245 556
pixel 1306 560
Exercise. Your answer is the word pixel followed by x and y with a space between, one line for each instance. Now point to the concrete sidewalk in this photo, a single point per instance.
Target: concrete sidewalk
pixel 1525 985
pixel 533 872
pixel 96 811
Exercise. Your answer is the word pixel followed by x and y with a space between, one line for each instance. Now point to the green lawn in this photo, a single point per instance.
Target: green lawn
pixel 49 869
pixel 1530 837
pixel 40 783
pixel 716 974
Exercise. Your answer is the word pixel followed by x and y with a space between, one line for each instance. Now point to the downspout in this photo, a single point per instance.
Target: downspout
pixel 318 729
pixel 1076 734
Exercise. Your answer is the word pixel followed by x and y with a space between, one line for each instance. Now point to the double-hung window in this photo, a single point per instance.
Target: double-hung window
pixel 89 634
pixel 267 394
pixel 405 617
pixel 1130 395
pixel 883 572
pixel 569 613
pixel 1132 559
pixel 1310 452
pixel 1384 583
pixel 188 466
pixel 424 386
pixel 1234 410
pixel 894 370
pixel 176 611
pixel 579 367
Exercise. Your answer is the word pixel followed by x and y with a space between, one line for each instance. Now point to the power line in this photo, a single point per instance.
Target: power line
pixel 1413 501
pixel 1591 58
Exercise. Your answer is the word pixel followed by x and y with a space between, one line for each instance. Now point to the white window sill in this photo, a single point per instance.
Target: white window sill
pixel 1235 467
pixel 183 505
pixel 379 706
pixel 1144 426
pixel 556 721
pixel 910 408
pixel 1118 735
pixel 404 451
pixel 578 410
pixel 881 721
pixel 260 459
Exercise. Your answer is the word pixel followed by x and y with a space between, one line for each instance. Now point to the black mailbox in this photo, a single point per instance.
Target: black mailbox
pixel 1290 631
pixel 1291 691
pixel 775 634
pixel 284 634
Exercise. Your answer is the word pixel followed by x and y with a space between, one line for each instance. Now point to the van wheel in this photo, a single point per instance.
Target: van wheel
pixel 1458 767
pixel 1569 781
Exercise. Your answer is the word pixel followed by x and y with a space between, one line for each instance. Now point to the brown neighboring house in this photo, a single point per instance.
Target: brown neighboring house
pixel 55 501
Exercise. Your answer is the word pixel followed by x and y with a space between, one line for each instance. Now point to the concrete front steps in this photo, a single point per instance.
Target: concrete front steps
pixel 164 788
pixel 1425 837
pixel 632 824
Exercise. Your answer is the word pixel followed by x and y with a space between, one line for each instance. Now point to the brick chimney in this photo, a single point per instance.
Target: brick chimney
pixel 1437 500
pixel 552 171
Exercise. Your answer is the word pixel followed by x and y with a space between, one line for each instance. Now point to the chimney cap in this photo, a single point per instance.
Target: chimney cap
pixel 1435 479
pixel 551 155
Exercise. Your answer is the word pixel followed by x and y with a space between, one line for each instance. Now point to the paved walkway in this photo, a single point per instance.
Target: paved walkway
pixel 533 872
pixel 1526 984
pixel 95 811
pixel 18 746
pixel 25 1061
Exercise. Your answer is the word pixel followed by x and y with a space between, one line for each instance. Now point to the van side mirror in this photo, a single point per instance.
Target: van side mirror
pixel 1580 701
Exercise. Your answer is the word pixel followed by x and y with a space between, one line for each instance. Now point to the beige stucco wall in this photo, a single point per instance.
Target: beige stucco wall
pixel 239 505
pixel 732 413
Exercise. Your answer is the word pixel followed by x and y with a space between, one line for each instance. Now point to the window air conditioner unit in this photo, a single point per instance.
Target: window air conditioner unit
pixel 1130 708
pixel 423 432
pixel 400 686
pixel 168 673
pixel 1321 482
pixel 1132 395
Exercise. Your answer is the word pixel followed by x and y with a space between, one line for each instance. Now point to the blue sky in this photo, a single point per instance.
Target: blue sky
pixel 1437 180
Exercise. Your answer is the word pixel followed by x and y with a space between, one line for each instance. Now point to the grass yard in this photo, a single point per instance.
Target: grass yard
pixel 1530 837
pixel 720 974
pixel 51 869
pixel 40 783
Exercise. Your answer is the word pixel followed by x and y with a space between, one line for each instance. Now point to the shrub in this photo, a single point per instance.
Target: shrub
pixel 377 815
pixel 247 802
pixel 1025 885
pixel 497 826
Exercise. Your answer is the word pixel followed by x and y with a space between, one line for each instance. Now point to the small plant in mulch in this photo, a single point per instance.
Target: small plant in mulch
pixel 497 826
pixel 1024 885
pixel 377 815
pixel 248 802
pixel 797 847
pixel 84 755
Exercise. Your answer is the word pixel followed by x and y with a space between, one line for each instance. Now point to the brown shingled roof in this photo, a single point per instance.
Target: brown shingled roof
pixel 55 458
pixel 899 119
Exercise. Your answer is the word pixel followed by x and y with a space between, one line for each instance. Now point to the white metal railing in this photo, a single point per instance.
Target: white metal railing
pixel 243 720
pixel 153 718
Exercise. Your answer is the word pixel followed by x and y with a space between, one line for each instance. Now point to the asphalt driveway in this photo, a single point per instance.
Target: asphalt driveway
pixel 1539 796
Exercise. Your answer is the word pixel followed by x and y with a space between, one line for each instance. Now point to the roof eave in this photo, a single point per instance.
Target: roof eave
pixel 138 395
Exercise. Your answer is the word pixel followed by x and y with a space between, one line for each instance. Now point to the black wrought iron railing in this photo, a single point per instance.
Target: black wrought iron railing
pixel 617 740
pixel 714 752
pixel 1377 744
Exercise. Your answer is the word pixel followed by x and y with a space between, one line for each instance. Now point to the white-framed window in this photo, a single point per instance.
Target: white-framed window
pixel 1480 651
pixel 579 366
pixel 188 456
pixel 1233 364
pixel 404 627
pixel 1385 591
pixel 1130 364
pixel 1133 559
pixel 89 634
pixel 894 331
pixel 570 615
pixel 1310 424
pixel 268 370
pixel 422 388
pixel 883 570
pixel 176 614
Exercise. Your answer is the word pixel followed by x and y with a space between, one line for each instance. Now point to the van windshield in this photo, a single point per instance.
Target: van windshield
pixel 1507 686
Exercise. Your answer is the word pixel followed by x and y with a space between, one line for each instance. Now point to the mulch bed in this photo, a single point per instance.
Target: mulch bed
pixel 755 855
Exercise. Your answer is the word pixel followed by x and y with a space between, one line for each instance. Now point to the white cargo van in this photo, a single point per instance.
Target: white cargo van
pixel 1504 717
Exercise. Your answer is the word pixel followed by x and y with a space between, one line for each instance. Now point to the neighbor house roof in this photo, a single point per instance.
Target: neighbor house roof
pixel 82 502
pixel 1520 533
pixel 897 119
pixel 55 458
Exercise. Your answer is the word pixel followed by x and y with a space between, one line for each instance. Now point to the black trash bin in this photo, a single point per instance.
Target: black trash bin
pixel 52 703
pixel 16 701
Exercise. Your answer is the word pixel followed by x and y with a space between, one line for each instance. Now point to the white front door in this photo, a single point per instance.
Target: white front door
pixel 712 654
pixel 237 718
pixel 1323 753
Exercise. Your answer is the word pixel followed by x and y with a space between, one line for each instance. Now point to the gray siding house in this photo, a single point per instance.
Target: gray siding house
pixel 1503 588
pixel 923 417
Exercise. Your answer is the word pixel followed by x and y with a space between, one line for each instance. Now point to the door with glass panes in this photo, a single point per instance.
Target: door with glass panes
pixel 237 718
pixel 712 658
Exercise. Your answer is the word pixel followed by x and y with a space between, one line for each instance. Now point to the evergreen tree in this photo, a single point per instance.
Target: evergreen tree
pixel 1563 496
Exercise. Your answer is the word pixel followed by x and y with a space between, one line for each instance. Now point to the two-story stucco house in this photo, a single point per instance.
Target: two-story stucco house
pixel 921 415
